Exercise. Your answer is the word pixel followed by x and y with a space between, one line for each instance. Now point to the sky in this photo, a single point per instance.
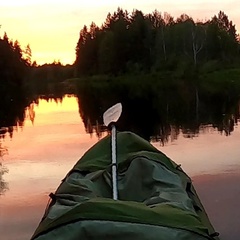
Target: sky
pixel 51 27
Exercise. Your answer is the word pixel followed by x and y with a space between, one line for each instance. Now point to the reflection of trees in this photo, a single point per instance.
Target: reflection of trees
pixel 31 112
pixel 166 133
pixel 12 111
pixel 3 150
pixel 3 170
pixel 16 107
pixel 227 125
pixel 49 97
pixel 157 114
pixel 3 184
pixel 90 112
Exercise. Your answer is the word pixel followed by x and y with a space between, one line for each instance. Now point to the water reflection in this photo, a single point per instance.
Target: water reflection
pixel 30 112
pixel 12 111
pixel 91 116
pixel 158 116
pixel 3 170
pixel 49 149
pixel 3 184
pixel 5 130
pixel 227 124
pixel 15 110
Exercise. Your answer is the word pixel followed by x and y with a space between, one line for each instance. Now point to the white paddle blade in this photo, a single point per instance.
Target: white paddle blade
pixel 112 114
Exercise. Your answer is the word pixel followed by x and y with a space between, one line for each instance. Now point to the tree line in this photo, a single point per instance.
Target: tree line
pixel 137 42
pixel 47 77
pixel 14 64
pixel 130 43
pixel 21 80
pixel 18 71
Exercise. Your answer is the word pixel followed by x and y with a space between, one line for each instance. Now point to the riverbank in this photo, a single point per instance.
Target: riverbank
pixel 212 80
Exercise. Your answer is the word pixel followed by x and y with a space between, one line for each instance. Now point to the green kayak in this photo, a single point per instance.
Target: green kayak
pixel 156 199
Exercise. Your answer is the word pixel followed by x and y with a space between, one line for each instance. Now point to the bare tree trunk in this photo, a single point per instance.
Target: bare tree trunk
pixel 164 45
pixel 194 55
pixel 197 104
pixel 196 48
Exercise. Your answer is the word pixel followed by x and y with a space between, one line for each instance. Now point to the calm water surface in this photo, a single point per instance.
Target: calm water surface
pixel 40 153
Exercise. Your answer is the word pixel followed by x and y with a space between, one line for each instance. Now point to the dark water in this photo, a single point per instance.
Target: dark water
pixel 153 112
pixel 43 137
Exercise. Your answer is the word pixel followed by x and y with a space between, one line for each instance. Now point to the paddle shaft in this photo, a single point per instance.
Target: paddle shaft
pixel 109 118
pixel 114 163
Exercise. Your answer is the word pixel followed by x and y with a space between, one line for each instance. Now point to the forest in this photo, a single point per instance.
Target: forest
pixel 130 44
pixel 137 43
pixel 14 64
pixel 14 69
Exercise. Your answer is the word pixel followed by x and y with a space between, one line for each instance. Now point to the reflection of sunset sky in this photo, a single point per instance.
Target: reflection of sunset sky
pixel 52 27
pixel 41 154
pixel 208 153
pixel 51 106
pixel 38 138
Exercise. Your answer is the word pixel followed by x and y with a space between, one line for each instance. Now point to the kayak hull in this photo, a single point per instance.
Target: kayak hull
pixel 156 198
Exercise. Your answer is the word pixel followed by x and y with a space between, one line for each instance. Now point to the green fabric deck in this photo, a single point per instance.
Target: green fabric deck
pixel 153 191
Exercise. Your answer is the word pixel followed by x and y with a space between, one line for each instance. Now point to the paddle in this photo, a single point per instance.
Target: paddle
pixel 109 118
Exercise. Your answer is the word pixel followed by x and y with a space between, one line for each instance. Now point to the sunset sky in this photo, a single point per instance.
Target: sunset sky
pixel 52 27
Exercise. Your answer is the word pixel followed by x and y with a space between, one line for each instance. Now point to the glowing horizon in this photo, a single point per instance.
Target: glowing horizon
pixel 52 27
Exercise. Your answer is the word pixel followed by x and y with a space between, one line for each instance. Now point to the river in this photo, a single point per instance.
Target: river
pixel 37 154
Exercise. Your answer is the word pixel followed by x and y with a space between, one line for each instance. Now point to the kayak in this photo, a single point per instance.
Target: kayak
pixel 156 198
